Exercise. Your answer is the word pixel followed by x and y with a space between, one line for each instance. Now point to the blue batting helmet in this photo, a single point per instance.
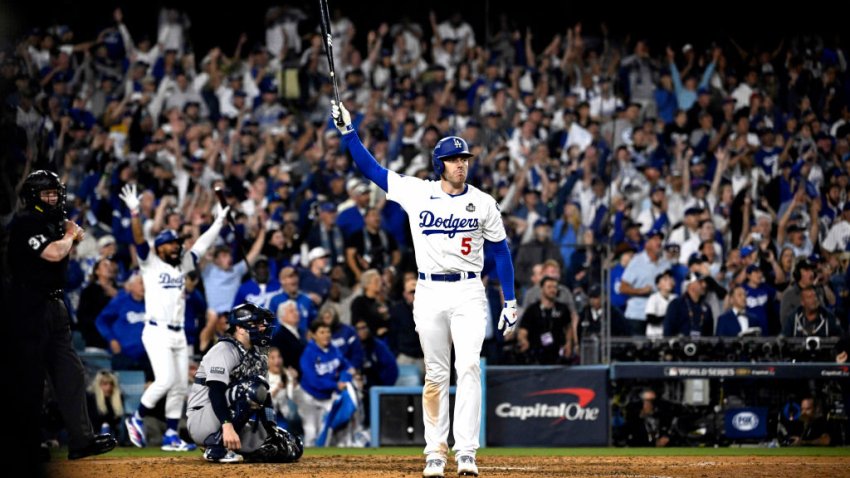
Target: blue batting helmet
pixel 250 317
pixel 166 236
pixel 449 147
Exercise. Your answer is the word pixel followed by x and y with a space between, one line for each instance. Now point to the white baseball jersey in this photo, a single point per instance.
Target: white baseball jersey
pixel 448 231
pixel 164 299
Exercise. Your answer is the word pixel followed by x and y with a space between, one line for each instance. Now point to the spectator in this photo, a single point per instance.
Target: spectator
pixel 688 315
pixel 326 234
pixel 546 334
pixel 351 213
pixel 370 306
pixel 121 323
pixel 568 230
pixel 737 321
pixel 623 254
pixel 286 338
pixel 656 305
pixel 537 250
pixel 638 279
pixel 313 279
pixel 290 291
pixel 379 364
pixel 551 268
pixel 760 302
pixel 101 289
pixel 260 288
pixel 402 337
pixel 811 319
pixel 594 313
pixel 105 403
pixel 324 370
pixel 804 276
pixel 371 247
pixel 343 337
pixel 222 278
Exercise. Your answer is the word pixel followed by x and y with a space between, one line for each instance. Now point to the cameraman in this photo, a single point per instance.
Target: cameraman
pixel 810 429
pixel 648 421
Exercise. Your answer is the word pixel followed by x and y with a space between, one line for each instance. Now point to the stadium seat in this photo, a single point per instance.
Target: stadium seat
pixel 408 376
pixel 132 383
pixel 95 360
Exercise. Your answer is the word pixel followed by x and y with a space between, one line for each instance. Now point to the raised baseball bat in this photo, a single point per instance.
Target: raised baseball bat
pixel 222 201
pixel 327 38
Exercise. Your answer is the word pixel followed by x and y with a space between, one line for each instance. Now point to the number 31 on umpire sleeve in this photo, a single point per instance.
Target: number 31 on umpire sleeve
pixel 466 245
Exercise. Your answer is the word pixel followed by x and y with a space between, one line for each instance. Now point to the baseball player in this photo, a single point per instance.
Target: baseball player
pixel 449 221
pixel 230 397
pixel 40 242
pixel 163 273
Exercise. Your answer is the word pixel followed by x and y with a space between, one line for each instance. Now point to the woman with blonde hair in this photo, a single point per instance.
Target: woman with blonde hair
pixel 568 230
pixel 106 405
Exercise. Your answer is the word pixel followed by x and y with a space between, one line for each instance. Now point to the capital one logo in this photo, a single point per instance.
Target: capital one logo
pixel 574 411
pixel 457 143
pixel 745 421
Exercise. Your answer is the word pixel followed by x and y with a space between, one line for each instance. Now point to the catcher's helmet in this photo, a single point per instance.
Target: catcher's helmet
pixel 43 180
pixel 250 317
pixel 449 147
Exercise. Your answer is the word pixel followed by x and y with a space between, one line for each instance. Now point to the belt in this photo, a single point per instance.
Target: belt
pixel 452 277
pixel 175 328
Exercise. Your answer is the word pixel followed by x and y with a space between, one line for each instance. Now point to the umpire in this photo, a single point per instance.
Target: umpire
pixel 40 241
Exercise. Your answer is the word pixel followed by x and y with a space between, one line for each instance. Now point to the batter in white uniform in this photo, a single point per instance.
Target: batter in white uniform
pixel 163 273
pixel 450 222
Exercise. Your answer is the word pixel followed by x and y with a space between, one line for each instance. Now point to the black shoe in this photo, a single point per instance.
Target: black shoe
pixel 99 445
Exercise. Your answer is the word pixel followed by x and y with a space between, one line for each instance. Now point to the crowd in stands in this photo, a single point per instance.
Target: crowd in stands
pixel 710 180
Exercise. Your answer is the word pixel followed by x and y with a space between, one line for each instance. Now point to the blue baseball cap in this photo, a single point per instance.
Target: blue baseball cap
pixel 752 268
pixel 655 232
pixel 746 251
pixel 166 236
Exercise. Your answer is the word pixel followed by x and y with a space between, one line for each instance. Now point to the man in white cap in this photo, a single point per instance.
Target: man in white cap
pixel 314 280
pixel 351 212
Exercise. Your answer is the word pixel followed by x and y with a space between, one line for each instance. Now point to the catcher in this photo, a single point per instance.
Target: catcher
pixel 230 412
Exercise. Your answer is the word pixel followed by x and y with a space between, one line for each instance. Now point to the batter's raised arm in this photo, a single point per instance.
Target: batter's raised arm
pixel 362 157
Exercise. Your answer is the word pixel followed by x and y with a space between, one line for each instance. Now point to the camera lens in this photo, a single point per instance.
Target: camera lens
pixel 690 349
pixel 813 343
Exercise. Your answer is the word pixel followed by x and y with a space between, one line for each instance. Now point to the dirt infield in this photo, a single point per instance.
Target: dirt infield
pixel 520 466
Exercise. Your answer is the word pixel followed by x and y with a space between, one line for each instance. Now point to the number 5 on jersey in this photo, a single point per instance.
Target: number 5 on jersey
pixel 465 245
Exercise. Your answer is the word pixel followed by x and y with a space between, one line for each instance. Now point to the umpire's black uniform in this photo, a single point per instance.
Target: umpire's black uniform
pixel 43 340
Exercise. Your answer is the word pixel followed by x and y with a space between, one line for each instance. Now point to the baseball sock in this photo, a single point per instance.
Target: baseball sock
pixel 171 426
pixel 142 411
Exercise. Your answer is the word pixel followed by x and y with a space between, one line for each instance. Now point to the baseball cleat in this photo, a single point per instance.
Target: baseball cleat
pixel 434 468
pixel 466 466
pixel 136 430
pixel 220 454
pixel 175 443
